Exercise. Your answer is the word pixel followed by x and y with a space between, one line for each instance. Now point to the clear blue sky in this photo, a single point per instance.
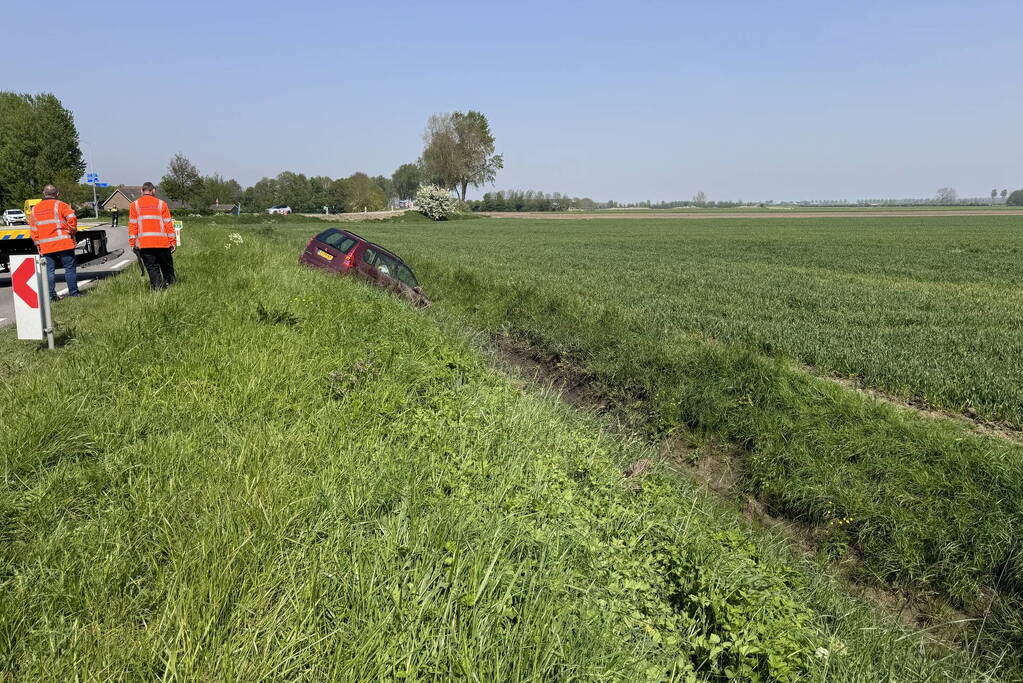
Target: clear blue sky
pixel 626 101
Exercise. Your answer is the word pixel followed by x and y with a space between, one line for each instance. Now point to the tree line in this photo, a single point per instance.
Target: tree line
pixel 304 194
pixel 531 200
pixel 458 152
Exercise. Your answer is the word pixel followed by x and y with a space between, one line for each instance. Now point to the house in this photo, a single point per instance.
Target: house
pixel 224 208
pixel 122 197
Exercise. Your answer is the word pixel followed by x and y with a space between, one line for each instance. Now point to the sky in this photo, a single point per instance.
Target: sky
pixel 632 101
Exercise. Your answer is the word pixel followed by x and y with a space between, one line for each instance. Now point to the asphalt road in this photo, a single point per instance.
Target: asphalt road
pixel 90 272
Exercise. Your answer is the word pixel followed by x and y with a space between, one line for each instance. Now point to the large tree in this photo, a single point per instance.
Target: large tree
pixel 182 181
pixel 405 181
pixel 459 151
pixel 217 190
pixel 946 195
pixel 476 144
pixel 38 145
pixel 363 194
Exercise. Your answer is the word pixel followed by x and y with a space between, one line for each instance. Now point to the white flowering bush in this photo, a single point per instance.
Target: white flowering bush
pixel 435 202
pixel 233 239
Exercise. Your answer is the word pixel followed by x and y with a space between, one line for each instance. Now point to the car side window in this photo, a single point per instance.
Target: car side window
pixel 386 264
pixel 369 257
pixel 405 276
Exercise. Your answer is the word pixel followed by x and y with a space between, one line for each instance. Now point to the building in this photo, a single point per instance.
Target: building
pixel 122 197
pixel 224 208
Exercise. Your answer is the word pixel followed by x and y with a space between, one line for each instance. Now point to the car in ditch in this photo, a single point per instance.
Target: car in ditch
pixel 345 253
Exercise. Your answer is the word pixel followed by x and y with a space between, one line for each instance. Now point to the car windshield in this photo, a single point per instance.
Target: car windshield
pixel 335 239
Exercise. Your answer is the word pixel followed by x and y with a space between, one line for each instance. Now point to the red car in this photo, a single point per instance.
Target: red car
pixel 343 252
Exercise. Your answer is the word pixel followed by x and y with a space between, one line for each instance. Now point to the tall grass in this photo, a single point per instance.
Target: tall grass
pixel 906 501
pixel 269 473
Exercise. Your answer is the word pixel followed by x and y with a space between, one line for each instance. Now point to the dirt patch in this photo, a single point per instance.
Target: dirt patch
pixel 662 215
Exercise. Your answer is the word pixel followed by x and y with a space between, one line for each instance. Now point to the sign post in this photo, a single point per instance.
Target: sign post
pixel 93 179
pixel 31 295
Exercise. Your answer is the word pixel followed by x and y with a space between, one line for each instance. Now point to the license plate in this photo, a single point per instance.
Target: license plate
pixel 325 255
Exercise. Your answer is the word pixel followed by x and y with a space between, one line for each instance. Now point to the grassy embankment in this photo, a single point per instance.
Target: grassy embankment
pixel 706 327
pixel 268 472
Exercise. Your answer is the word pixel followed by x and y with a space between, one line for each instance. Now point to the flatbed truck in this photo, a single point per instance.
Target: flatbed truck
pixel 16 239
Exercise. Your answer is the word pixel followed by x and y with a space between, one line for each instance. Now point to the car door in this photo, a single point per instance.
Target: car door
pixel 366 264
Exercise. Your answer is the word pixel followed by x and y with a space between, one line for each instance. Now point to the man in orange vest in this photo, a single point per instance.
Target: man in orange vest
pixel 151 232
pixel 54 229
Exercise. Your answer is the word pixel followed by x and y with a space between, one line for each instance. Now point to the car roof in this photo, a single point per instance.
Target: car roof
pixel 372 244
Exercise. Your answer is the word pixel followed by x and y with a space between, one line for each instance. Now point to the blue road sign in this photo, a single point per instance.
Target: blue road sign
pixel 102 184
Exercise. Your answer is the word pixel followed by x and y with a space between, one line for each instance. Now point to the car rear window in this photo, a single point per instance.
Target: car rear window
pixel 336 239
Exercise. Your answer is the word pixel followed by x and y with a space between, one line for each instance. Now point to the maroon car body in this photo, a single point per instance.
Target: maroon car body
pixel 345 253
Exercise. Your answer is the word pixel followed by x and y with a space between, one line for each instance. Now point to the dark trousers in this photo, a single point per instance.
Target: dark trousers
pixel 159 264
pixel 113 219
pixel 66 259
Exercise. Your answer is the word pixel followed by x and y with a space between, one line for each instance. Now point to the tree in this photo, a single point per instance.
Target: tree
pixel 216 190
pixel 435 202
pixel 384 183
pixel 1015 199
pixel 182 181
pixel 440 162
pixel 295 190
pixel 320 187
pixel 363 194
pixel 38 145
pixel 260 196
pixel 405 181
pixel 994 194
pixel 337 195
pixel 700 198
pixel 946 195
pixel 1004 192
pixel 459 151
pixel 476 145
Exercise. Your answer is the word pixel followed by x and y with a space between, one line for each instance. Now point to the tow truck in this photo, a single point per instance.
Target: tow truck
pixel 18 240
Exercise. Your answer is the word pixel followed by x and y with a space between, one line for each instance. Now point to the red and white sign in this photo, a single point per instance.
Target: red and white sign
pixel 26 287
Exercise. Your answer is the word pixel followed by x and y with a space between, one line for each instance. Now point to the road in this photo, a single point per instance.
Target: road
pixel 89 271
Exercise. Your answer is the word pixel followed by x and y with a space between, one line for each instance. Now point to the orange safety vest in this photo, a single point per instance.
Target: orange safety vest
pixel 150 225
pixel 53 226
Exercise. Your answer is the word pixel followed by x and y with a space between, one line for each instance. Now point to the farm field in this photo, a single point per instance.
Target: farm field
pixel 295 476
pixel 708 329
pixel 927 310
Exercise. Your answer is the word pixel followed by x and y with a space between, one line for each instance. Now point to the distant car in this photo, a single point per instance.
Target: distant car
pixel 15 217
pixel 345 253
pixel 283 210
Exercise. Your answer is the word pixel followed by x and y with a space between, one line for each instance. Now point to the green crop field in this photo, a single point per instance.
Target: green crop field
pixel 926 309
pixel 708 328
pixel 270 473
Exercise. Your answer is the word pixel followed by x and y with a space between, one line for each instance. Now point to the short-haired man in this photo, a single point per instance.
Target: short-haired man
pixel 54 229
pixel 151 231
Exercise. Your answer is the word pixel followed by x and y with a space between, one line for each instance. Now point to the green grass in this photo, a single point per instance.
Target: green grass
pixel 925 309
pixel 705 326
pixel 269 473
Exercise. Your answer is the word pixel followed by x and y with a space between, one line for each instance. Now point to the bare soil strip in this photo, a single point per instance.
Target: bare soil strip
pixel 658 215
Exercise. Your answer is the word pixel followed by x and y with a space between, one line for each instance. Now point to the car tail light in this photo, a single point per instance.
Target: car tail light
pixel 349 259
